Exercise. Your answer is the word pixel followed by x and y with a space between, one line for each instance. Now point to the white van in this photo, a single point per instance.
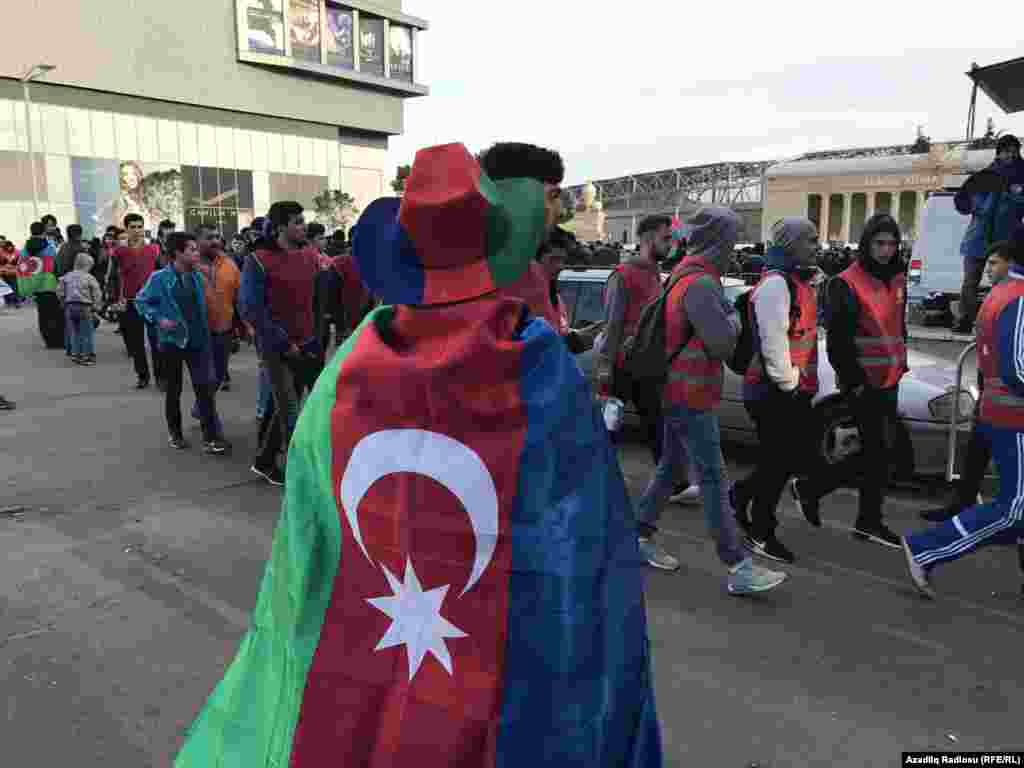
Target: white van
pixel 935 263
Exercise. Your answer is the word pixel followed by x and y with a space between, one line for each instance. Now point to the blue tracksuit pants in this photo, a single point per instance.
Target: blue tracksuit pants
pixel 998 522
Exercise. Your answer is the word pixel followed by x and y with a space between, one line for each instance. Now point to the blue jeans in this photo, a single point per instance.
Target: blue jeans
pixel 686 431
pixel 80 331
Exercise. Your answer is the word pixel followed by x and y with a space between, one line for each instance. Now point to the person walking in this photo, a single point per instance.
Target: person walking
pixel 222 280
pixel 276 298
pixel 781 381
pixel 979 451
pixel 37 279
pixel 1001 418
pixel 701 329
pixel 994 199
pixel 173 300
pixel 135 262
pixel 80 295
pixel 865 319
pixel 453 441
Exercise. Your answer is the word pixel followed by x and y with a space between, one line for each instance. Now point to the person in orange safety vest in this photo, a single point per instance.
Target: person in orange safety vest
pixel 866 341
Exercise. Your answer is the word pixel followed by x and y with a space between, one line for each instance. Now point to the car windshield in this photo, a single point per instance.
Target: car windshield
pixel 589 304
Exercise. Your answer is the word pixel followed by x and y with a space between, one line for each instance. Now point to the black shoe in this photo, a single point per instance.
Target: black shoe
pixel 878 533
pixel 177 442
pixel 807 505
pixel 226 386
pixel 771 548
pixel 142 383
pixel 940 515
pixel 5 404
pixel 271 474
pixel 741 507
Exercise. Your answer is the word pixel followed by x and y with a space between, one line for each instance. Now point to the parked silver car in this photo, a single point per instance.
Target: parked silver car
pixel 925 401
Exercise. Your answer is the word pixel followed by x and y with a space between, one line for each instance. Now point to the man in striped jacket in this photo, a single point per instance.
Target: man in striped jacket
pixel 1001 417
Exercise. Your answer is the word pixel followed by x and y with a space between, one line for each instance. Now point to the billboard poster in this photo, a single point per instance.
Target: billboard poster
pixel 304 29
pixel 340 45
pixel 105 191
pixel 401 53
pixel 220 197
pixel 371 46
pixel 264 26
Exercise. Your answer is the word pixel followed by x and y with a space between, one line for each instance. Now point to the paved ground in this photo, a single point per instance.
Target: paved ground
pixel 126 583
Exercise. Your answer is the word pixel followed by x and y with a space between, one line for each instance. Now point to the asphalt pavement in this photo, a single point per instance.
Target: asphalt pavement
pixel 129 572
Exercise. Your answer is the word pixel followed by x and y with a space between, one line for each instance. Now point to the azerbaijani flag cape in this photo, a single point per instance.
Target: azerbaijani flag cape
pixel 35 271
pixel 454 580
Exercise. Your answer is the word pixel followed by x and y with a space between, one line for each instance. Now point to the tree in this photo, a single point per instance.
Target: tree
pixel 335 209
pixel 401 174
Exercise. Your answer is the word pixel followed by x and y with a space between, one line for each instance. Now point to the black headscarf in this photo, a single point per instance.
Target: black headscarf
pixel 877 224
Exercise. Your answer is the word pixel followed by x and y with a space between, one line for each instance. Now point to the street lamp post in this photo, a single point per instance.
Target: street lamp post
pixel 34 72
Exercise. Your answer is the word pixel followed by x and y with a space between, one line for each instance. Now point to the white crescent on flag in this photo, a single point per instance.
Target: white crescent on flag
pixel 439 457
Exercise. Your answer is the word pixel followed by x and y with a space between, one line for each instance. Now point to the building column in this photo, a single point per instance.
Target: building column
pixel 922 198
pixel 826 207
pixel 844 233
pixel 869 205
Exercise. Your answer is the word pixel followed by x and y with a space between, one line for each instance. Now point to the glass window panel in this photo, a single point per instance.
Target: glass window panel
pixel 304 29
pixel 836 212
pixel 305 155
pixel 260 191
pixel 8 126
pixel 245 191
pixel 291 154
pixel 103 144
pixel 225 148
pixel 79 133
pixel 339 38
pixel 227 185
pixel 58 179
pixel 188 143
pixel 55 129
pixel 371 45
pixel 127 136
pixel 167 135
pixel 814 212
pixel 243 149
pixel 147 141
pixel 207 135
pixel 259 150
pixel 589 304
pixel 333 165
pixel 209 186
pixel 16 175
pixel 321 164
pixel 190 191
pixel 275 152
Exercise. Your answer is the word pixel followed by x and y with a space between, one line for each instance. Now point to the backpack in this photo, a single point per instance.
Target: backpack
pixel 743 355
pixel 645 355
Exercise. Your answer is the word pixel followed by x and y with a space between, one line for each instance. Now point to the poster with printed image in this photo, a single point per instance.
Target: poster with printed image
pixel 220 197
pixel 264 20
pixel 401 53
pixel 105 191
pixel 304 29
pixel 371 46
pixel 339 39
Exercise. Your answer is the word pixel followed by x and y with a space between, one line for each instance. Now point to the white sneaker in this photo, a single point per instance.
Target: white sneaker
pixel 746 578
pixel 656 556
pixel 688 496
pixel 918 575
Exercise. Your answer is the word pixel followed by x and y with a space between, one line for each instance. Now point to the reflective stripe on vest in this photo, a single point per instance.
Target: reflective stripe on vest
pixel 694 379
pixel 881 348
pixel 802 337
pixel 1000 407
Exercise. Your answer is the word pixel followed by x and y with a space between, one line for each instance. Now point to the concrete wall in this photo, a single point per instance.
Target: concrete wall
pixel 182 51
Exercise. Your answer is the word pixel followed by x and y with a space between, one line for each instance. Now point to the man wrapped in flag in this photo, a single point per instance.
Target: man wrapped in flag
pixel 37 278
pixel 455 579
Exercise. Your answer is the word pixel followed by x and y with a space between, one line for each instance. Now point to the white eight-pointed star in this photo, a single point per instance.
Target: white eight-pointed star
pixel 416 620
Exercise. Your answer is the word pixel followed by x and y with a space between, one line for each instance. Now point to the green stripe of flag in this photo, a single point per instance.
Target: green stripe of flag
pixel 41 281
pixel 250 718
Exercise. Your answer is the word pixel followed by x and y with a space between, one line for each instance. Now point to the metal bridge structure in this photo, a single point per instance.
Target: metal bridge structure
pixel 737 184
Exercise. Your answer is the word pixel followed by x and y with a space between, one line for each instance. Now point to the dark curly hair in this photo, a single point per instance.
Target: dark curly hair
pixel 513 160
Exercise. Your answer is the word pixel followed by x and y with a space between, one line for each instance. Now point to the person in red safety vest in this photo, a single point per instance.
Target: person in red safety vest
pixel 701 329
pixel 1000 327
pixel 632 285
pixel 866 341
pixel 781 381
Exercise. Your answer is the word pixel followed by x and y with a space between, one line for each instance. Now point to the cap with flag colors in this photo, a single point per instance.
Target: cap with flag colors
pixel 455 578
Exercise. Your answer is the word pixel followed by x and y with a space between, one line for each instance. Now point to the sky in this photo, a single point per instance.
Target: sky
pixel 652 85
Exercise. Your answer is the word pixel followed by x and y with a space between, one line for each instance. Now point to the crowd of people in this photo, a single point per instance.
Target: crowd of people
pixel 473 343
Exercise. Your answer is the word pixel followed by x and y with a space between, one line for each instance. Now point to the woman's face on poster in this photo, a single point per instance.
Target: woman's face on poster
pixel 130 178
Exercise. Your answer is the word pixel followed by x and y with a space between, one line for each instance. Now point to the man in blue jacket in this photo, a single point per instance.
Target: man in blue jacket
pixel 173 301
pixel 994 199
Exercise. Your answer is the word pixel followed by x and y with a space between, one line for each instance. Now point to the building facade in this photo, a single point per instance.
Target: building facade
pixel 199 111
pixel 841 190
